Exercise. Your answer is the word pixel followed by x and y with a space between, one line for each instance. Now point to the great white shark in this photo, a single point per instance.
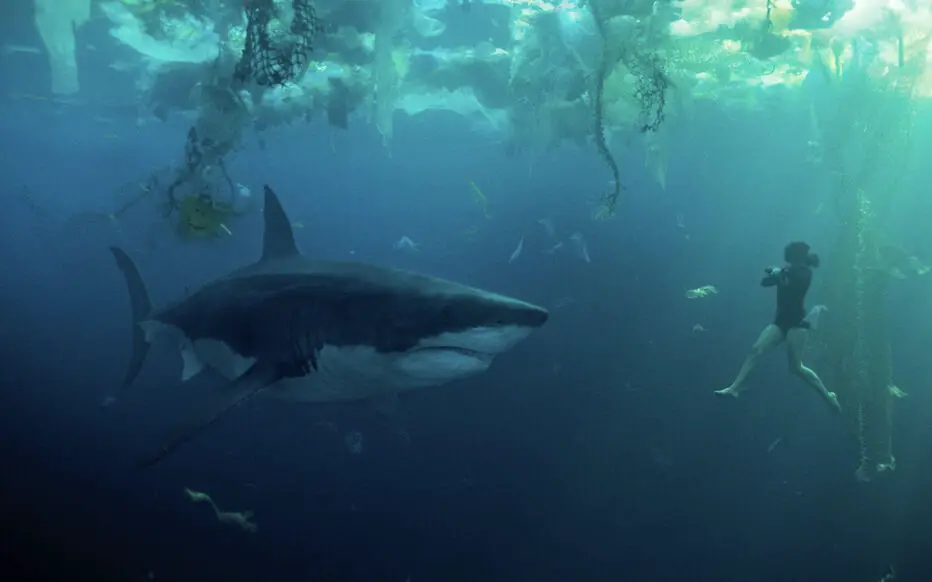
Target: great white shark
pixel 322 331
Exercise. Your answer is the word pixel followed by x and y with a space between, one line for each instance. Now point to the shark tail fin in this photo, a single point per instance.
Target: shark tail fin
pixel 141 307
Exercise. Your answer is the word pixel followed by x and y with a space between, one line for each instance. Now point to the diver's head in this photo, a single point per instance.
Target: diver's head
pixel 797 253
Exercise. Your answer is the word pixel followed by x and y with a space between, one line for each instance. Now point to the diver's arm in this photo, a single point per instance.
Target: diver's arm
pixel 771 278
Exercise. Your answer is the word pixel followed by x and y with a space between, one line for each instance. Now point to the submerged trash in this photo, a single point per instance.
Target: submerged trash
pixel 354 442
pixel 582 251
pixel 406 244
pixel 238 518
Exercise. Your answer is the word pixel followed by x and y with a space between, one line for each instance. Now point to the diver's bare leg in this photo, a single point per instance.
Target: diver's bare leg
pixel 769 339
pixel 795 344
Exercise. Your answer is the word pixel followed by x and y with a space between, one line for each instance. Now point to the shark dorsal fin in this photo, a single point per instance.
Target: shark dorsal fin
pixel 278 239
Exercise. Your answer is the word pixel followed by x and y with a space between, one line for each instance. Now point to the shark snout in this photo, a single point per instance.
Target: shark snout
pixel 527 314
pixel 538 316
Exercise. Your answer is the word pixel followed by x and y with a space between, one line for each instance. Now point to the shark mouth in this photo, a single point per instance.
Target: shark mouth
pixel 470 353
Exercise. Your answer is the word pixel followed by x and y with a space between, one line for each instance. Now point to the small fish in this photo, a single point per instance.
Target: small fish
pixel 405 244
pixel 480 199
pixel 11 49
pixel 700 292
pixel 918 266
pixel 243 519
pixel 890 576
pixel 354 442
pixel 774 444
pixel 582 251
pixel 28 97
pixel 557 247
pixel 517 252
pixel 123 66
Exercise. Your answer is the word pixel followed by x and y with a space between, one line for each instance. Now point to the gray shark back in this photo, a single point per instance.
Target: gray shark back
pixel 300 305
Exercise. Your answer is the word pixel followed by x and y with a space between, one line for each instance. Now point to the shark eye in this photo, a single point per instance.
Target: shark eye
pixel 446 312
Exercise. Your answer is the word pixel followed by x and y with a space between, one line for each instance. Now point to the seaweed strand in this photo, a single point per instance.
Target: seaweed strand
pixel 610 199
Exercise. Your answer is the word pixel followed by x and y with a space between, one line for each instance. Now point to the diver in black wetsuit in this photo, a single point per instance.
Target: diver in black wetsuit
pixel 790 323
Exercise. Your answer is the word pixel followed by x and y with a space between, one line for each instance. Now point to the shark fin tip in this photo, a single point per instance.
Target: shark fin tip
pixel 278 239
pixel 192 365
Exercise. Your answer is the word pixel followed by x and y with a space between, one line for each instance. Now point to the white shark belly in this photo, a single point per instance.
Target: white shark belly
pixel 343 373
pixel 200 353
pixel 220 357
pixel 360 372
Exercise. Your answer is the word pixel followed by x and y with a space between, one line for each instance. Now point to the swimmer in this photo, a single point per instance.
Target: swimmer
pixel 790 324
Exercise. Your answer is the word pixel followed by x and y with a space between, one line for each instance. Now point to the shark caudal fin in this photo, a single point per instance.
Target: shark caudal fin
pixel 141 307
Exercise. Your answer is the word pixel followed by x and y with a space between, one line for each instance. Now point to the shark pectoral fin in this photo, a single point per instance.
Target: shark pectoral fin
pixel 151 330
pixel 192 365
pixel 244 388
